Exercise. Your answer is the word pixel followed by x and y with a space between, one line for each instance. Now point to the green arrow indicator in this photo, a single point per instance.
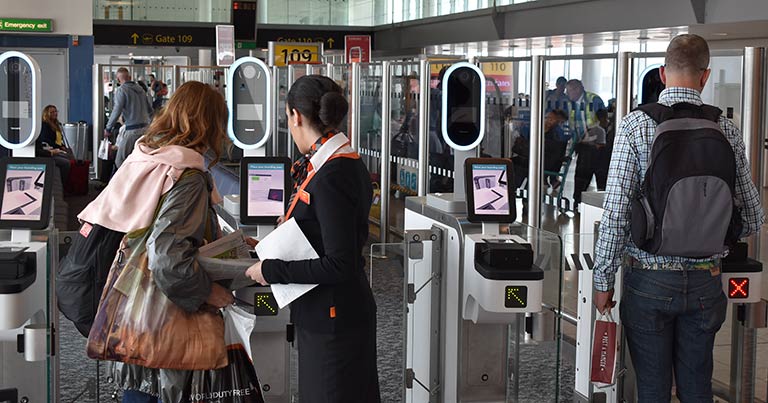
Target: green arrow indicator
pixel 264 304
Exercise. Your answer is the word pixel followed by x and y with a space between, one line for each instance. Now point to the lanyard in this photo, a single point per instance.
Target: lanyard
pixel 337 147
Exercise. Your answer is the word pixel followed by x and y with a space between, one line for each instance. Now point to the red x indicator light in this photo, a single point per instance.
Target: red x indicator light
pixel 738 288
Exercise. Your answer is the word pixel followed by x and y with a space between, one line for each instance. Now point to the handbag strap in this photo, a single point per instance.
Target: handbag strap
pixel 141 232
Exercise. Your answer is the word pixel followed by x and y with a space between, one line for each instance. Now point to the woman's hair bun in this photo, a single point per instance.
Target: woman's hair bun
pixel 333 109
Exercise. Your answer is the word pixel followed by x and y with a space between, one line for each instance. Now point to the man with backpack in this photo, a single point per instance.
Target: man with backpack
pixel 680 186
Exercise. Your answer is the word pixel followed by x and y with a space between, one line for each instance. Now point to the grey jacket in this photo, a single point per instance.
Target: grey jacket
pixel 176 269
pixel 130 101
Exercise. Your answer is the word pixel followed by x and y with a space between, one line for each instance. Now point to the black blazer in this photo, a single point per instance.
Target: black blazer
pixel 336 224
pixel 47 136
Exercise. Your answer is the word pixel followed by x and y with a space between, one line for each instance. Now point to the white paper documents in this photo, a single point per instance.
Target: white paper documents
pixel 227 259
pixel 287 243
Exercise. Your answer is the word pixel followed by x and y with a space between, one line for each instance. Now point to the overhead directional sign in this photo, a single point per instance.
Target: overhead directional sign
pixel 283 54
pixel 25 25
pixel 145 35
pixel 330 39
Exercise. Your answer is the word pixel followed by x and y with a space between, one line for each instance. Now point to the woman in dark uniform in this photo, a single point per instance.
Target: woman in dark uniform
pixel 335 321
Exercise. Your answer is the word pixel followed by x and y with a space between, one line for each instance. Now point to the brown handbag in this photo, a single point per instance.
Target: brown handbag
pixel 137 324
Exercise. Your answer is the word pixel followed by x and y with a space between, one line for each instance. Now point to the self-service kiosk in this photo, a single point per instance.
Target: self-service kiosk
pixel 264 193
pixel 27 361
pixel 465 281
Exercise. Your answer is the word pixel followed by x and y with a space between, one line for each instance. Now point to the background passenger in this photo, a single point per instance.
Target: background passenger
pixel 132 104
pixel 51 142
pixel 556 98
pixel 583 116
pixel 672 306
pixel 335 321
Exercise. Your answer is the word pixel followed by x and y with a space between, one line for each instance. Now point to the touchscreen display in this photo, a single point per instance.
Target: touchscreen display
pixel 23 192
pixel 266 193
pixel 489 186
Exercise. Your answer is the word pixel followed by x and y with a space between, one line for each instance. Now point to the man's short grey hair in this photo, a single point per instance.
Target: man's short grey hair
pixel 123 73
pixel 574 83
pixel 687 54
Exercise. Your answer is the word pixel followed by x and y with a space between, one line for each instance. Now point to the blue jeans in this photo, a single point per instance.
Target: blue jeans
pixel 133 396
pixel 670 319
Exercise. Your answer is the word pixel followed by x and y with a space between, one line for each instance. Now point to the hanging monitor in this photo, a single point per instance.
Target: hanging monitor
pixel 490 198
pixel 26 193
pixel 265 188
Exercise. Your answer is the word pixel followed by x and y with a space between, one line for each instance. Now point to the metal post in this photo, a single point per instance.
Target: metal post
pixel 535 168
pixel 424 77
pixel 291 79
pixel 276 111
pixel 386 127
pixel 98 114
pixel 176 77
pixel 744 338
pixel 354 110
pixel 623 86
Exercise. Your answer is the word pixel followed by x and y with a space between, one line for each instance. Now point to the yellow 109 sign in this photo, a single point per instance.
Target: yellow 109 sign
pixel 283 54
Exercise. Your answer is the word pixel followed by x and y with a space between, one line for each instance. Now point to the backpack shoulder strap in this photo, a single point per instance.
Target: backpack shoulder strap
pixel 660 113
pixel 656 111
pixel 710 112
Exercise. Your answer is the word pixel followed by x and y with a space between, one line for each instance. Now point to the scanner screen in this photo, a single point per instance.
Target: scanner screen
pixel 266 193
pixel 23 192
pixel 489 184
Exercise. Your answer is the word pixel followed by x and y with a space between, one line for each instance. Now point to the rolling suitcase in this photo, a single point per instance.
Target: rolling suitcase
pixel 77 184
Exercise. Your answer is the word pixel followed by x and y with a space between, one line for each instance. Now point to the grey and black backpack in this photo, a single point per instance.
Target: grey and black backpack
pixel 686 205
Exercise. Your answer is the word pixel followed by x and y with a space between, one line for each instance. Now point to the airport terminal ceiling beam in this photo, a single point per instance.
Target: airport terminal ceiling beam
pixel 539 18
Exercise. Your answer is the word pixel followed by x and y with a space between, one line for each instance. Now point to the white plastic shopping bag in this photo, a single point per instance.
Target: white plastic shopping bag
pixel 104 146
pixel 237 382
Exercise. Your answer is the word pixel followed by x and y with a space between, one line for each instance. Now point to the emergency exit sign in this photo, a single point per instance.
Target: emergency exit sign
pixel 25 25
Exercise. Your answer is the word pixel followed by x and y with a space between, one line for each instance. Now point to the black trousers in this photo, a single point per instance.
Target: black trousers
pixel 591 161
pixel 338 367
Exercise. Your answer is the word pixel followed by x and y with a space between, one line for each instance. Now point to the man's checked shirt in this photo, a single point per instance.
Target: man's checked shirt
pixel 628 165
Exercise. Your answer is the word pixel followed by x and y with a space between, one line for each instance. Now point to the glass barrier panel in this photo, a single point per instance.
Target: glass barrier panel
pixel 535 356
pixel 370 131
pixel 404 140
pixel 578 129
pixel 214 76
pixel 283 136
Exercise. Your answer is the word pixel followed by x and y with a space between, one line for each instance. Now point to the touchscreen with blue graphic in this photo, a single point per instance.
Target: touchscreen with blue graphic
pixel 266 193
pixel 489 184
pixel 22 197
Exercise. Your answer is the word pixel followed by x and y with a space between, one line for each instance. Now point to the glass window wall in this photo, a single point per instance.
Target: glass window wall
pixel 365 12
pixel 163 10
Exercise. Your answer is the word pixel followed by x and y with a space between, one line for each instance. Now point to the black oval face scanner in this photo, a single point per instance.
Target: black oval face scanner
pixel 19 100
pixel 463 106
pixel 248 99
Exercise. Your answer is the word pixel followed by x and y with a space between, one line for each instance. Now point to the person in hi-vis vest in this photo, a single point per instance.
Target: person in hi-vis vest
pixel 582 116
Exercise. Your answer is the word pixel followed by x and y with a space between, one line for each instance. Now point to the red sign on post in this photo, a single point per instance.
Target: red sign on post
pixel 357 48
pixel 738 288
